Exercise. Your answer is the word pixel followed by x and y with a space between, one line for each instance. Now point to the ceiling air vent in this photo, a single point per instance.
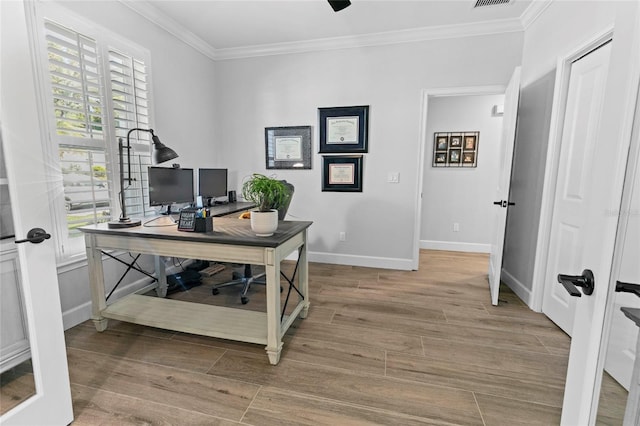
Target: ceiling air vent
pixel 481 3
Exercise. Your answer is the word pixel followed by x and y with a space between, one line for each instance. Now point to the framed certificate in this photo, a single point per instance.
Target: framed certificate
pixel 342 173
pixel 288 147
pixel 344 129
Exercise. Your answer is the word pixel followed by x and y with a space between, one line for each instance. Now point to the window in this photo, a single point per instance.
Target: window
pixel 98 89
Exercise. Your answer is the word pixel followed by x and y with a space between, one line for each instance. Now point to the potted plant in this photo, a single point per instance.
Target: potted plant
pixel 269 195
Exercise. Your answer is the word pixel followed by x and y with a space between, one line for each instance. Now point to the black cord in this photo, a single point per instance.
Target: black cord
pixel 146 224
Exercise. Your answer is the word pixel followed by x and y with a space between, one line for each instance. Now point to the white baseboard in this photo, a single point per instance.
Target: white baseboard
pixel 455 246
pixel 367 261
pixel 518 288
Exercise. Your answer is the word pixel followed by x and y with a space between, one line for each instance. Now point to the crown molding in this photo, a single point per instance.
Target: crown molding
pixel 376 39
pixel 146 10
pixel 533 12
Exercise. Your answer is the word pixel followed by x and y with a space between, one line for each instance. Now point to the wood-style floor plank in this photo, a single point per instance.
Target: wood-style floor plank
pixel 187 356
pixel 522 386
pixel 498 411
pixel 93 407
pixel 439 330
pixel 205 394
pixel 275 407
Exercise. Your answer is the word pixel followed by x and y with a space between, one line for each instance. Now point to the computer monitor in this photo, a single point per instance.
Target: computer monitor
pixel 212 183
pixel 170 186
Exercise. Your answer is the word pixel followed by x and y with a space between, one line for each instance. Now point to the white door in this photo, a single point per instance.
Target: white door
pixel 605 178
pixel 21 137
pixel 574 198
pixel 511 98
pixel 623 333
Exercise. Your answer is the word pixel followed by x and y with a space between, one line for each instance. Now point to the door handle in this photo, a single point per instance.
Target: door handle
pixel 628 288
pixel 503 203
pixel 35 236
pixel 586 281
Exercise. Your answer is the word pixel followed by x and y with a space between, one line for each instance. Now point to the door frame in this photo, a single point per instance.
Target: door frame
pixel 558 109
pixel 424 140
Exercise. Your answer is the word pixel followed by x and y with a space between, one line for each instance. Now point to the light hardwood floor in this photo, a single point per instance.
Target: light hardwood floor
pixel 378 347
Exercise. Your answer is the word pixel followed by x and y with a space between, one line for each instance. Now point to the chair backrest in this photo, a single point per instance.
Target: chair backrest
pixel 282 211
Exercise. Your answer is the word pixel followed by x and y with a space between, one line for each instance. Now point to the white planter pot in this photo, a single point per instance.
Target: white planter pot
pixel 264 224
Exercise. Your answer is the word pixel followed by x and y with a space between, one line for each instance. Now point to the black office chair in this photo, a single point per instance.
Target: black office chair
pixel 246 278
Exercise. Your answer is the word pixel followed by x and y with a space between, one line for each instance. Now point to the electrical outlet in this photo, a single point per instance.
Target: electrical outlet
pixel 343 236
pixel 456 227
pixel 393 177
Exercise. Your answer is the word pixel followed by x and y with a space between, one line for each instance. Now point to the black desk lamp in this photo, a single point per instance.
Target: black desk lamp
pixel 161 153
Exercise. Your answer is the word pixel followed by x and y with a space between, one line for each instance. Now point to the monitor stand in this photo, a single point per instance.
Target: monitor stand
pixel 168 212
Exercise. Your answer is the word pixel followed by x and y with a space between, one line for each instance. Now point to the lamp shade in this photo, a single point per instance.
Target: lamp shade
pixel 161 152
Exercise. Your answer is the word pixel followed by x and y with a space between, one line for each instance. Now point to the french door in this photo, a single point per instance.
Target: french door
pixel 22 153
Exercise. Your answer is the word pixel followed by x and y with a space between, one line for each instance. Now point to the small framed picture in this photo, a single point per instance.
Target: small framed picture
pixel 470 142
pixel 468 157
pixel 441 142
pixel 454 156
pixel 455 141
pixel 440 158
pixel 342 173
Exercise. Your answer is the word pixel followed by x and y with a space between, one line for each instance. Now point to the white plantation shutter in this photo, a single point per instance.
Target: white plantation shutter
pixel 129 94
pixel 77 95
pixel 75 82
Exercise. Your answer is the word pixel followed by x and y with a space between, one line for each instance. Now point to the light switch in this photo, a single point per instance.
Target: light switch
pixel 393 177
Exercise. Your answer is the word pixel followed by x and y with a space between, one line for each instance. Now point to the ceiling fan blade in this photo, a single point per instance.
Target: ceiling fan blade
pixel 338 5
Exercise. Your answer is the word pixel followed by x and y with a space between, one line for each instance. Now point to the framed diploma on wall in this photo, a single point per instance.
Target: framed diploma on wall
pixel 344 129
pixel 288 147
pixel 342 173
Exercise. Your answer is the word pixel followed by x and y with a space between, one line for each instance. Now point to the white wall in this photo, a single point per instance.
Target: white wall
pixel 461 195
pixel 286 90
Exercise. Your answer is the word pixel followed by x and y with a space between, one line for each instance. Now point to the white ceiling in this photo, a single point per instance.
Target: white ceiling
pixel 215 26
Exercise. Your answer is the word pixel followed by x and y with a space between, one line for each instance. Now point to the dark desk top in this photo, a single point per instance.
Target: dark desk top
pixel 633 314
pixel 225 231
pixel 225 209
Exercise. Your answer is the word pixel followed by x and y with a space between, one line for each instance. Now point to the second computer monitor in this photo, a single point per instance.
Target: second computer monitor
pixel 212 183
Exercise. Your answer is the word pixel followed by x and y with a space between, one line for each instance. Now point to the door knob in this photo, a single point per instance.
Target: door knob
pixel 503 203
pixel 628 288
pixel 586 281
pixel 36 236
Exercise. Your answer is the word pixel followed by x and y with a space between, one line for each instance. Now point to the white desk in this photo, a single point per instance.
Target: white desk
pixel 231 241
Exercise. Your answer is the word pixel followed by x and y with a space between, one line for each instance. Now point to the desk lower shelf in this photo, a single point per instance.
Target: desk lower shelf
pixel 188 317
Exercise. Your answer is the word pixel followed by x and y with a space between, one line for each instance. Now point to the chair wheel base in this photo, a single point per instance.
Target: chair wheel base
pixel 215 291
pixel 244 300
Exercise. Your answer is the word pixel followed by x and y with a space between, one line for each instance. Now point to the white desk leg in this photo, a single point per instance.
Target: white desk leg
pixel 303 275
pixel 161 274
pixel 274 340
pixel 96 282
